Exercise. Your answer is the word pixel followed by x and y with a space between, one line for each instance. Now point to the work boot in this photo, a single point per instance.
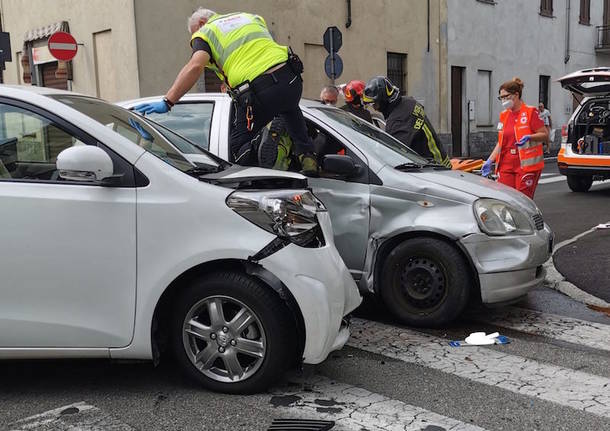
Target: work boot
pixel 267 152
pixel 309 164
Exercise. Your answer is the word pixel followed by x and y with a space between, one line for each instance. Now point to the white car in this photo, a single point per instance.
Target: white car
pixel 423 238
pixel 115 245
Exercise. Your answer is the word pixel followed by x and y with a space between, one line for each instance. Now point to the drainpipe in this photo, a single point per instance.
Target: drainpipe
pixel 566 58
pixel 349 14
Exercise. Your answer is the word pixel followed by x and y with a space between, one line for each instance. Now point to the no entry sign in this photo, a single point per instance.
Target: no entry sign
pixel 62 46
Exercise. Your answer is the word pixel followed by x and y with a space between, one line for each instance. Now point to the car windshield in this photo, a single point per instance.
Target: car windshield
pixel 371 139
pixel 168 146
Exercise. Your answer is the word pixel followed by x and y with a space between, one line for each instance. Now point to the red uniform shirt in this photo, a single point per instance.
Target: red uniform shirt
pixel 510 154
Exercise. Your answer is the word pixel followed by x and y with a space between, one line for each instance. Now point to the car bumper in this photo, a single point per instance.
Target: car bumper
pixel 322 287
pixel 509 267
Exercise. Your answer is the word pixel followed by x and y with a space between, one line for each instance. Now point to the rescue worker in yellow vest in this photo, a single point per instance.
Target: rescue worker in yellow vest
pixel 264 80
pixel 405 119
pixel 518 154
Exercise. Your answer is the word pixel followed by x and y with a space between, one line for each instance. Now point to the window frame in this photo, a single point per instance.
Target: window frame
pixel 489 102
pixel 403 84
pixel 584 17
pixel 546 8
pixel 121 165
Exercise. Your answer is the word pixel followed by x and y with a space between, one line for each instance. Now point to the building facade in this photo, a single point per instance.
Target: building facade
pixel 539 41
pixel 451 55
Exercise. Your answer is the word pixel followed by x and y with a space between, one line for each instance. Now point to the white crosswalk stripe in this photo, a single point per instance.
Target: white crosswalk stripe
pixel 566 387
pixel 552 180
pixel 581 332
pixel 354 408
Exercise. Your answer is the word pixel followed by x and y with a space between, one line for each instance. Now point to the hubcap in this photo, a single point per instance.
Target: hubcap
pixel 224 339
pixel 423 283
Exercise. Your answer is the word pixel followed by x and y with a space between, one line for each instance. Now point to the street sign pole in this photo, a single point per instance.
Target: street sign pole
pixel 332 57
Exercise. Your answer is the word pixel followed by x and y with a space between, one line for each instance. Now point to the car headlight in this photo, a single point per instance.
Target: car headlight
pixel 496 217
pixel 289 214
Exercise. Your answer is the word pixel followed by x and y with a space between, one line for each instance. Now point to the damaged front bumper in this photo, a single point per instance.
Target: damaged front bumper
pixel 508 267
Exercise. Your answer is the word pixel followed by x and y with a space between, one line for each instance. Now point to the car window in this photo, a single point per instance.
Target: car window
pixel 133 127
pixel 191 120
pixel 29 144
pixel 370 138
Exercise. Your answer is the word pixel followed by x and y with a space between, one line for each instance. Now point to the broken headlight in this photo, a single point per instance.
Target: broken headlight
pixel 496 217
pixel 289 214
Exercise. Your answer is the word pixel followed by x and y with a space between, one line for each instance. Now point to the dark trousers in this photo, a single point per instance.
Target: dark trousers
pixel 274 94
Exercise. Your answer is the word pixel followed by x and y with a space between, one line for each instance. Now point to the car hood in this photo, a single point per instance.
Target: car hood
pixel 476 187
pixel 240 177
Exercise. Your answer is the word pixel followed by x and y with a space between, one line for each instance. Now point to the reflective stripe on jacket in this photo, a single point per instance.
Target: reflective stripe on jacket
pixel 531 155
pixel 241 46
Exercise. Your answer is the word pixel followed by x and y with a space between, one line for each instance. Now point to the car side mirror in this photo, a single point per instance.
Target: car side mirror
pixel 340 165
pixel 86 163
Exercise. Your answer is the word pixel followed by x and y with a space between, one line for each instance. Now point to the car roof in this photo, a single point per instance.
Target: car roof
pixel 44 91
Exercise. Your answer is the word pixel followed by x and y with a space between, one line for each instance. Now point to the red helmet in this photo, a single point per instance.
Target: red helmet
pixel 353 89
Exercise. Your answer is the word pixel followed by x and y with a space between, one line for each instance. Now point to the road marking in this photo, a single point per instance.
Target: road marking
pixel 575 331
pixel 552 180
pixel 354 408
pixel 74 417
pixel 569 388
pixel 548 174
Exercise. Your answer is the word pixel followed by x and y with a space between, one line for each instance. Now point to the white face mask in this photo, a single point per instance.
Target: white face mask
pixel 508 104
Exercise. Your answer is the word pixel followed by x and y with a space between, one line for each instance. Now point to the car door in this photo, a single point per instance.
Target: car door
pixel 67 249
pixel 347 200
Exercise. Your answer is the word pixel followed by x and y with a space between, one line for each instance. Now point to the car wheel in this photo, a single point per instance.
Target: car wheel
pixel 232 334
pixel 425 282
pixel 579 183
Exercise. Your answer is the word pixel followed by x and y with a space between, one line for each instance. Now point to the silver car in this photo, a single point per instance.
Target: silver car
pixel 423 238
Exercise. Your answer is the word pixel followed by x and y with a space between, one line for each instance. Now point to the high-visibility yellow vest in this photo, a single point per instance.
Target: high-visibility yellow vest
pixel 242 47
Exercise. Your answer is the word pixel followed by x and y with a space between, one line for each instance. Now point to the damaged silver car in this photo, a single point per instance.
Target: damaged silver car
pixel 424 238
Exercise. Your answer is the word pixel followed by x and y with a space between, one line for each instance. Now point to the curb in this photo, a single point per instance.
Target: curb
pixel 555 280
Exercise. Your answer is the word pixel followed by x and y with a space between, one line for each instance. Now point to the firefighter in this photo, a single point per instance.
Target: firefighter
pixel 518 154
pixel 405 119
pixel 353 100
pixel 263 78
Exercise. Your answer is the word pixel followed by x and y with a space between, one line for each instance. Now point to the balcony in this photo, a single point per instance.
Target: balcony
pixel 602 46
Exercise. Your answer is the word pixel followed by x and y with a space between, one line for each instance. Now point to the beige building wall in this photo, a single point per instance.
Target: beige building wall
pixel 106 63
pixel 377 27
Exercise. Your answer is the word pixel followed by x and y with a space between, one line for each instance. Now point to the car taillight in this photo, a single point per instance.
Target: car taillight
pixel 564 131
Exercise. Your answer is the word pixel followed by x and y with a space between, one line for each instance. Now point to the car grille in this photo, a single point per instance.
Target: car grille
pixel 538 221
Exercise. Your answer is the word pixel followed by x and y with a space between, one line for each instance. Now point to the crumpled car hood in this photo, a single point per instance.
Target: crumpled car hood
pixel 478 187
pixel 239 177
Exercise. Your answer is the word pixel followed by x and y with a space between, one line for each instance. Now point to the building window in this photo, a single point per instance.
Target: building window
pixel 483 104
pixel 546 8
pixel 543 90
pixel 397 70
pixel 585 12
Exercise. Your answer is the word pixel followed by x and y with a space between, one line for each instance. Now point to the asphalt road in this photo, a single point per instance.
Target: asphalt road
pixel 554 375
pixel 586 262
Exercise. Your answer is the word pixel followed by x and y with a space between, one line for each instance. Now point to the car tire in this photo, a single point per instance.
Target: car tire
pixel 425 282
pixel 579 183
pixel 207 343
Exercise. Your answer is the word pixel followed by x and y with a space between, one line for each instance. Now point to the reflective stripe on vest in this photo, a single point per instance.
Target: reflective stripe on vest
pixel 531 155
pixel 228 34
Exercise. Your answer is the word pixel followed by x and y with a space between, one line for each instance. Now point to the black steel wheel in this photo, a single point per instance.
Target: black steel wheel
pixel 425 282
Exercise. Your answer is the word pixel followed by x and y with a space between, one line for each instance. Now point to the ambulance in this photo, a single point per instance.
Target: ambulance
pixel 584 156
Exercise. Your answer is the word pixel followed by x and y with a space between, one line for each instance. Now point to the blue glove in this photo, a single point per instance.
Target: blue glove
pixel 486 169
pixel 524 140
pixel 159 107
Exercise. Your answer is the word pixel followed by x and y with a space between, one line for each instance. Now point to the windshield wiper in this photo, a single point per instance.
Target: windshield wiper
pixel 203 169
pixel 438 166
pixel 409 166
